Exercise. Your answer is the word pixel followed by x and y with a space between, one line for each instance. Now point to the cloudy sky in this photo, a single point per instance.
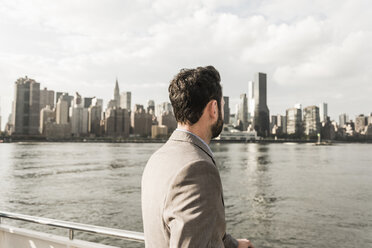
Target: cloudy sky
pixel 313 51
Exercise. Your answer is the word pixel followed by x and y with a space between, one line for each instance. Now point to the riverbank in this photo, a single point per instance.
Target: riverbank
pixel 16 139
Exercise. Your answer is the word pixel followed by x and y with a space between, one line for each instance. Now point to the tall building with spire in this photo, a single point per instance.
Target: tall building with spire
pixel 117 94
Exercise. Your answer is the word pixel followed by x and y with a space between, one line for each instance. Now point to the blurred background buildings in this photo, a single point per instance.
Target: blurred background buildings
pixel 58 115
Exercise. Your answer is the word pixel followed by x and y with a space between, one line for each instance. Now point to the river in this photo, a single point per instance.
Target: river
pixel 276 195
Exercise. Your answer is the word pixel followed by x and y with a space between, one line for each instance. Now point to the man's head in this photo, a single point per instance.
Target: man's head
pixel 192 91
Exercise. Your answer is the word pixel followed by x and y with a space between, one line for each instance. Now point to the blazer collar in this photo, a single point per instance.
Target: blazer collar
pixel 178 135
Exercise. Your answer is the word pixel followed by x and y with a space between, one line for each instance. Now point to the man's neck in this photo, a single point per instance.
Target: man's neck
pixel 197 130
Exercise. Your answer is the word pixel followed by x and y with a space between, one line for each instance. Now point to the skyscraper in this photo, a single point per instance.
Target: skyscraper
pixel 46 98
pixel 299 106
pixel 94 113
pixel 323 111
pixel 226 110
pixel 26 107
pixel 273 122
pixel 79 117
pixel 151 107
pixel 284 124
pixel 117 94
pixel 343 119
pixel 1 128
pixel 293 119
pixel 360 123
pixel 141 121
pixel 250 101
pixel 261 118
pixel 311 120
pixel 66 97
pixel 117 122
pixel 87 102
pixel 62 109
pixel 242 113
pixel 47 115
pixel 167 119
pixel 163 108
pixel 126 100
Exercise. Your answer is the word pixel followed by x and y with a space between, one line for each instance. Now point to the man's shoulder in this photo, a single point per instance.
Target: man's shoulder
pixel 179 153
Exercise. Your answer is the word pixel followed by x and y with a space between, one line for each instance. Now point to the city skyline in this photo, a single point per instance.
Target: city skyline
pixel 312 51
pixel 115 93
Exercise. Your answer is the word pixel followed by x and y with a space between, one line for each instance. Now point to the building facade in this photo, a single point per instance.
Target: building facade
pixel 293 117
pixel 242 113
pixel 311 120
pixel 343 120
pixel 226 110
pixel 79 117
pixel 141 121
pixel 126 100
pixel 163 108
pixel 159 131
pixel 323 111
pixel 151 107
pixel 251 102
pixel 87 102
pixel 167 119
pixel 47 115
pixel 360 123
pixel 117 123
pixel 62 109
pixel 46 98
pixel 26 107
pixel 94 117
pixel 261 119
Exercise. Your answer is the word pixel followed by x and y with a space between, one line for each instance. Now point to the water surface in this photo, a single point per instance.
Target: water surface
pixel 277 195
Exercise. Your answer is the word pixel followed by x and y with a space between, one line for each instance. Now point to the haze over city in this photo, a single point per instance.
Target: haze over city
pixel 312 51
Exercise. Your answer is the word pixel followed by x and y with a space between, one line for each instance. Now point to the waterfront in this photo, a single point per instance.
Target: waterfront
pixel 277 195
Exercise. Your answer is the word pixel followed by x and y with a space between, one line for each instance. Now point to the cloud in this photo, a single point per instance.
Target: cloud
pixel 307 48
pixel 335 63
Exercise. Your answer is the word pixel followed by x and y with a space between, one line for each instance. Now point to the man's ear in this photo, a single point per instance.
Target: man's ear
pixel 213 108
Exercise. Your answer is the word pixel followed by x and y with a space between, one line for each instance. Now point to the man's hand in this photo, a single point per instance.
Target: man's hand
pixel 245 243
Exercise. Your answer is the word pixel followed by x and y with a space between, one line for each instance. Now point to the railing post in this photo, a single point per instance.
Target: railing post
pixel 71 234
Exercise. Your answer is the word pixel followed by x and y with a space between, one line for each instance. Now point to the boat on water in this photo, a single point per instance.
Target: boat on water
pixel 18 237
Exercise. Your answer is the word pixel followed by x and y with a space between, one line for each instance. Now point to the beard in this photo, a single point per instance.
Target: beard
pixel 216 128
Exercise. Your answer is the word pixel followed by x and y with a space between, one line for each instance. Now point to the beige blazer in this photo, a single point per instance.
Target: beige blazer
pixel 182 201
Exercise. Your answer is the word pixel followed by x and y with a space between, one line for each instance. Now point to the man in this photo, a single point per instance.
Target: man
pixel 182 202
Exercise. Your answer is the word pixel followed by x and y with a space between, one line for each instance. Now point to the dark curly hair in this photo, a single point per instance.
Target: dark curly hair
pixel 191 90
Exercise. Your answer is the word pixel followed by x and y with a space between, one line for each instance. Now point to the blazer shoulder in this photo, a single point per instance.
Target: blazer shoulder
pixel 196 172
pixel 199 166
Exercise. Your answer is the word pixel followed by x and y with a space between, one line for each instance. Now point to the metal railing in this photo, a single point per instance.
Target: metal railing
pixel 72 226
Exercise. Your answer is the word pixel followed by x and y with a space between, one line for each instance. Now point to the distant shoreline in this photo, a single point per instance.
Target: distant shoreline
pixel 9 139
